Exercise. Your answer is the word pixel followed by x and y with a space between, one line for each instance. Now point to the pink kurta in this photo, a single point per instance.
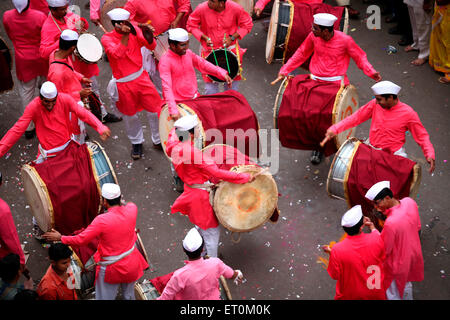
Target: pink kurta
pixel 24 30
pixel 404 260
pixel 261 4
pixel 178 76
pixel 194 167
pixel 138 94
pixel 9 239
pixel 50 34
pixel 94 9
pixel 53 128
pixel 352 264
pixel 388 127
pixel 329 58
pixel 41 5
pixel 216 24
pixel 197 280
pixel 160 13
pixel 115 231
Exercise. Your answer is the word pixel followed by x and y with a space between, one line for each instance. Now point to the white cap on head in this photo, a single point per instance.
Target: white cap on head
pixel 110 191
pixel 352 217
pixel 57 3
pixel 48 90
pixel 69 35
pixel 376 189
pixel 20 4
pixel 186 123
pixel 178 34
pixel 324 19
pixel 385 87
pixel 118 14
pixel 193 240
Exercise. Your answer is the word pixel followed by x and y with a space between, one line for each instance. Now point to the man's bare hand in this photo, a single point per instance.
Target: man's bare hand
pixel 52 235
pixel 328 136
pixel 280 77
pixel 432 163
pixel 85 92
pixel 105 135
pixel 258 12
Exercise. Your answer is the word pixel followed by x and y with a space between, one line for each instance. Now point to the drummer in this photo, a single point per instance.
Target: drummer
pixel 218 24
pixel 195 169
pixel 391 118
pixel 324 44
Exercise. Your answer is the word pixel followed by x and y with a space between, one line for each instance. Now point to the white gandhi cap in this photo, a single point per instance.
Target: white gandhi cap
pixel 20 4
pixel 57 3
pixel 110 191
pixel 118 14
pixel 186 123
pixel 352 217
pixel 324 19
pixel 385 87
pixel 48 90
pixel 193 240
pixel 376 189
pixel 178 34
pixel 69 35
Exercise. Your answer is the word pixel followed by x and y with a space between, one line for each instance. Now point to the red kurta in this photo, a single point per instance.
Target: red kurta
pixel 194 167
pixel 404 260
pixel 41 5
pixel 115 231
pixel 24 30
pixel 357 264
pixel 9 239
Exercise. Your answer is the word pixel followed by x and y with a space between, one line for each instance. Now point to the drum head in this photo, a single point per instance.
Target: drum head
pixel 166 125
pixel 226 60
pixel 108 6
pixel 89 48
pixel 37 197
pixel 245 207
pixel 346 103
pixel 272 33
pixel 278 99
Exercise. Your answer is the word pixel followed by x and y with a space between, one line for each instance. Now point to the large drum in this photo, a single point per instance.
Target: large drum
pixel 356 167
pixel 84 275
pixel 346 102
pixel 6 80
pixel 89 49
pixel 225 59
pixel 219 114
pixel 47 209
pixel 290 24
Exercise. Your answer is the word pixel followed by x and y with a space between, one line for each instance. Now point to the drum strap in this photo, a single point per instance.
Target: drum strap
pixel 60 62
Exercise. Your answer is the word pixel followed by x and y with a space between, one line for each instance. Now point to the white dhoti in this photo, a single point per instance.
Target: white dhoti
pixel 27 92
pixel 108 291
pixel 211 239
pixel 421 29
pixel 393 294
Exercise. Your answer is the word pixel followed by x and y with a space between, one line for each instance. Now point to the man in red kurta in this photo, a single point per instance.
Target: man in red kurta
pixel 130 87
pixel 119 262
pixel 217 24
pixel 196 169
pixel 23 26
pixel 357 261
pixel 400 234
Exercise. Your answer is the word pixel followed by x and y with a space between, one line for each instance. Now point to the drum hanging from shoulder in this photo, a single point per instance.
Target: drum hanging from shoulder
pixel 248 5
pixel 89 49
pixel 6 60
pixel 108 6
pixel 290 24
pixel 225 59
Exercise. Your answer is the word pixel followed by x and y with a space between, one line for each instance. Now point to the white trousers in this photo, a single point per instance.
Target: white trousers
pixel 133 127
pixel 211 238
pixel 393 294
pixel 213 87
pixel 108 291
pixel 27 92
pixel 421 29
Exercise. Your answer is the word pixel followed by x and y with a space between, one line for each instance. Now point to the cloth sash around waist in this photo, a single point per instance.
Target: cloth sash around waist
pixel 44 154
pixel 106 261
pixel 400 152
pixel 207 186
pixel 112 85
pixel 335 78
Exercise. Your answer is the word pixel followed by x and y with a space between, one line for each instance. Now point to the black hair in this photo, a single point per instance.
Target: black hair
pixel 174 42
pixel 59 251
pixel 387 95
pixel 383 194
pixel 195 254
pixel 9 267
pixel 113 202
pixel 183 134
pixel 330 28
pixel 113 22
pixel 352 231
pixel 67 44
pixel 26 295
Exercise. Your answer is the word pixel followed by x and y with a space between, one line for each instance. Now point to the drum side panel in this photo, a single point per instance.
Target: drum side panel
pixel 272 32
pixel 347 103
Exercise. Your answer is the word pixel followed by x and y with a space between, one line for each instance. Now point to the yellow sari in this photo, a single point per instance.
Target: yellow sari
pixel 440 40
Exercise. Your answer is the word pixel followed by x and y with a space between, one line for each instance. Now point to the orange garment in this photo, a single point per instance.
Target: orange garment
pixel 53 287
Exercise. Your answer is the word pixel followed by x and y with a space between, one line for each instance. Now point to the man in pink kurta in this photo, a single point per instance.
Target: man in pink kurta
pixel 130 87
pixel 23 26
pixel 391 119
pixel 400 234
pixel 119 260
pixel 219 23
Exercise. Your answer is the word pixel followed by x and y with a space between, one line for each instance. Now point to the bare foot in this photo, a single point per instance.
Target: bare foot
pixel 410 48
pixel 443 80
pixel 418 62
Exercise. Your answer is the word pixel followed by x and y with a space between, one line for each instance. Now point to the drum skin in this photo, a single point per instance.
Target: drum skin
pixel 89 49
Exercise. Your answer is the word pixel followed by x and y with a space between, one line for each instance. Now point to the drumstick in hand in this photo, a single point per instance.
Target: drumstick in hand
pixel 102 27
pixel 260 172
pixel 328 136
pixel 280 77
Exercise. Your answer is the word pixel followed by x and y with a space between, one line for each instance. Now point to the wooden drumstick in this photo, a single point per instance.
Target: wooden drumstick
pixel 276 80
pixel 261 172
pixel 102 27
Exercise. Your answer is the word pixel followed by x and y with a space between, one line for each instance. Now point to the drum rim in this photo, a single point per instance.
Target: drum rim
pixel 288 35
pixel 342 90
pixel 220 186
pixel 32 172
pixel 139 291
pixel 79 54
pixel 276 110
pixel 269 55
pixel 228 51
pixel 141 244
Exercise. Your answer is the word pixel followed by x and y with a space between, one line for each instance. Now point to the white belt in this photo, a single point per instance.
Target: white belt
pixel 106 261
pixel 335 78
pixel 400 152
pixel 207 186
pixel 112 85
pixel 44 153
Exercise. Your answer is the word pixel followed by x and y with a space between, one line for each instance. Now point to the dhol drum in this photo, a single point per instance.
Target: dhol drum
pixel 219 115
pixel 357 166
pixel 345 104
pixel 248 5
pixel 89 49
pixel 162 45
pixel 108 6
pixel 84 275
pixel 290 24
pixel 226 60
pixel 6 80
pixel 39 197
